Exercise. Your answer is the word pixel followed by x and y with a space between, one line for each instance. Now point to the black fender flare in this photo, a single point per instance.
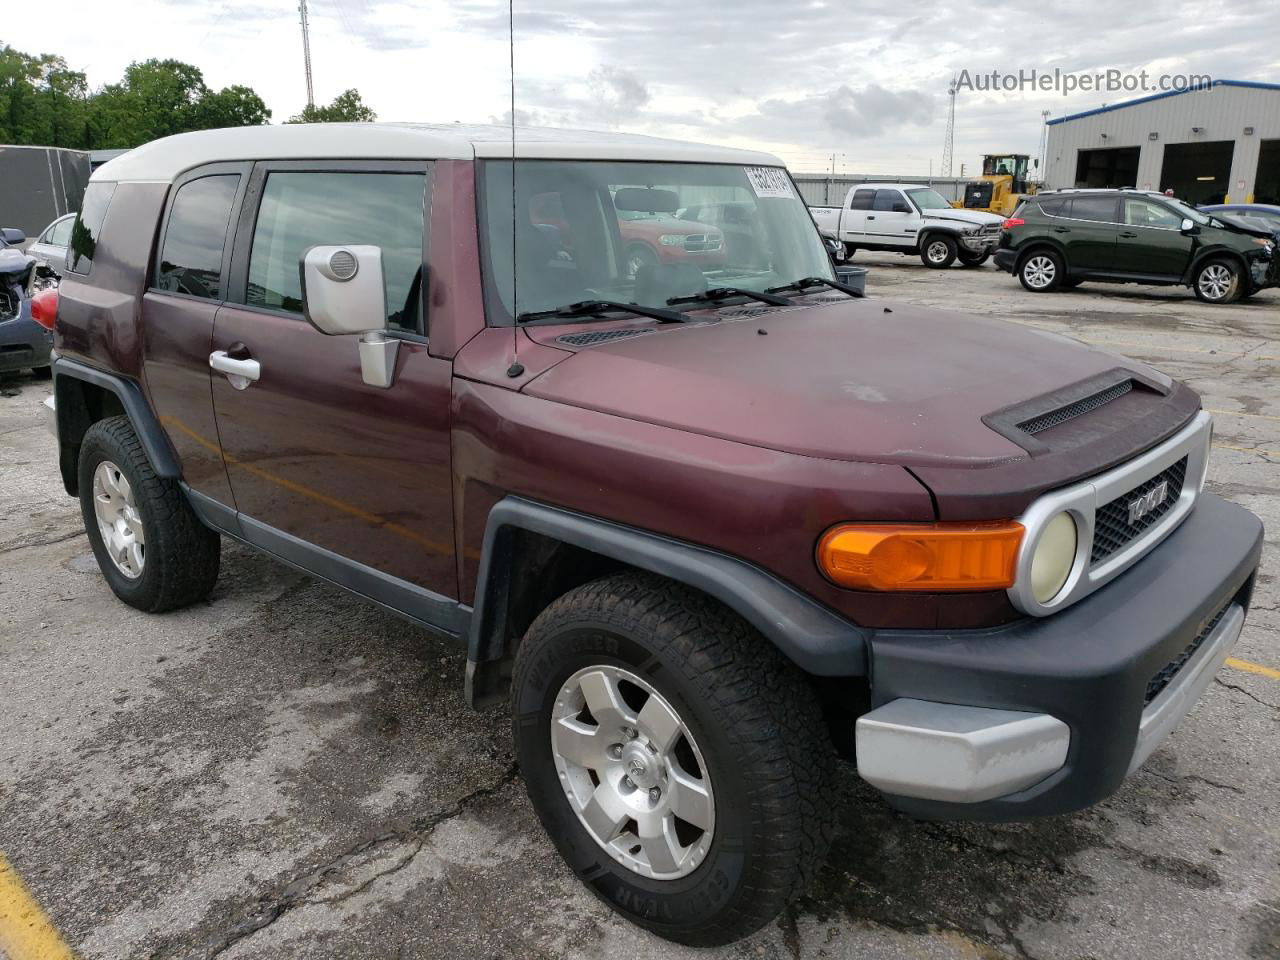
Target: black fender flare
pixel 815 638
pixel 1216 253
pixel 73 419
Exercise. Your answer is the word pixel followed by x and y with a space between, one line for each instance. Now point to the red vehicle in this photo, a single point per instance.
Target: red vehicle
pixel 704 530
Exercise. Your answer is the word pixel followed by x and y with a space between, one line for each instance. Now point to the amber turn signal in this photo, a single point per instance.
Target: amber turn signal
pixel 921 556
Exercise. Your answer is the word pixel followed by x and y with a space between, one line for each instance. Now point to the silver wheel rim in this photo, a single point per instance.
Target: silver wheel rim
pixel 937 251
pixel 1039 272
pixel 119 521
pixel 1215 281
pixel 634 777
pixel 634 262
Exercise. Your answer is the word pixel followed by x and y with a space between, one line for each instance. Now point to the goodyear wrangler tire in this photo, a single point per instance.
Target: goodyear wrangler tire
pixel 153 551
pixel 677 760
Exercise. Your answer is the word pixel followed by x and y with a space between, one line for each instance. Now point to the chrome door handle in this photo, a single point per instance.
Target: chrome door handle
pixel 240 372
pixel 1128 236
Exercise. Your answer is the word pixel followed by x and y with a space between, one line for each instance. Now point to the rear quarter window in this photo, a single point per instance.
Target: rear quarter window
pixel 88 226
pixel 1054 208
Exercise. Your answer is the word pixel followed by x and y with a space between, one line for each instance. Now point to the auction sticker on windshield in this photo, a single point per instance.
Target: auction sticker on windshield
pixel 769 181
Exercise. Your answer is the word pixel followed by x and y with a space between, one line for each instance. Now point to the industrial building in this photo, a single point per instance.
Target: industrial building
pixel 1215 143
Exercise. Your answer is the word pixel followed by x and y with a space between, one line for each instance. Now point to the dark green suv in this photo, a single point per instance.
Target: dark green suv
pixel 1057 239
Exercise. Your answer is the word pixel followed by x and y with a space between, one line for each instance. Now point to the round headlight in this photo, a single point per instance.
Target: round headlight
pixel 1054 557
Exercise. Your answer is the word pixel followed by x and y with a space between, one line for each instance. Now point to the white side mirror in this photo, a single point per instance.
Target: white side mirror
pixel 343 293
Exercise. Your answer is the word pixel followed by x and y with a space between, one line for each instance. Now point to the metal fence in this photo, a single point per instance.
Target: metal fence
pixel 819 190
pixel 40 184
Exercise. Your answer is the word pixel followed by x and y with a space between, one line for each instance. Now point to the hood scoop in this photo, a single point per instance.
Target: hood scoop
pixel 601 336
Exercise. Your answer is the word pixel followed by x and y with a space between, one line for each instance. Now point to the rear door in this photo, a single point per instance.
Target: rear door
pixel 188 284
pixel 1090 232
pixel 1151 240
pixel 318 458
pixel 891 220
pixel 853 219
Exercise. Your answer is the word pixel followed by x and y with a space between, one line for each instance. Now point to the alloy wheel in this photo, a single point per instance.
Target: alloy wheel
pixel 119 521
pixel 1215 281
pixel 632 772
pixel 937 252
pixel 1039 272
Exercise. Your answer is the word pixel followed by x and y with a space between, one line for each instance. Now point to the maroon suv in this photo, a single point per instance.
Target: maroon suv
pixel 708 525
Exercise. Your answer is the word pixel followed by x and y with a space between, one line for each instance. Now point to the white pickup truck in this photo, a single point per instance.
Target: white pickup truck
pixel 910 218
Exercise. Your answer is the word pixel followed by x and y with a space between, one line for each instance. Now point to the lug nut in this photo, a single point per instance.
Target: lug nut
pixel 655 794
pixel 616 751
pixel 626 782
pixel 629 733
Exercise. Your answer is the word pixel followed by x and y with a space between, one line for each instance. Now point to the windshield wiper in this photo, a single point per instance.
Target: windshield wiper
pixel 593 308
pixel 800 285
pixel 723 293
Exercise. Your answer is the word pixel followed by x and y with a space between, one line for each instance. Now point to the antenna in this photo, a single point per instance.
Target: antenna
pixel 306 50
pixel 516 367
pixel 949 142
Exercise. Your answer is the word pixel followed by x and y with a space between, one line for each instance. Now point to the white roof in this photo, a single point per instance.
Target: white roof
pixel 166 158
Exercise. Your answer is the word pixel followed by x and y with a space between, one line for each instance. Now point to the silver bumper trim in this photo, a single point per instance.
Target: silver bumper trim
pixel 944 751
pixel 1166 711
pixel 50 416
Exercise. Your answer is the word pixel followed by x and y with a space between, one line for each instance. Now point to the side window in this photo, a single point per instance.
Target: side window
pixel 301 210
pixel 61 232
pixel 1094 208
pixel 88 226
pixel 191 259
pixel 885 199
pixel 1054 208
pixel 862 199
pixel 1141 213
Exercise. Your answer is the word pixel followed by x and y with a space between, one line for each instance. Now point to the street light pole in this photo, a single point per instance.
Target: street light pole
pixel 306 50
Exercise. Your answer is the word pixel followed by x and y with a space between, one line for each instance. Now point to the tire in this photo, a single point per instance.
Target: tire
pixel 973 260
pixel 1041 271
pixel 638 255
pixel 1218 281
pixel 849 251
pixel 42 373
pixel 751 731
pixel 938 251
pixel 1070 283
pixel 176 561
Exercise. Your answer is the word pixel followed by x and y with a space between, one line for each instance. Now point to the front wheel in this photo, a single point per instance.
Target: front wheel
pixel 938 252
pixel 1041 271
pixel 1218 281
pixel 676 759
pixel 973 259
pixel 638 257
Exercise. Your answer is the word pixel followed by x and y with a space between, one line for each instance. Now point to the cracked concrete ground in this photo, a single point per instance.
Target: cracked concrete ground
pixel 286 772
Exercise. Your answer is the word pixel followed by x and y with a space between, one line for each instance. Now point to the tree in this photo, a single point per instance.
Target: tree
pixel 347 107
pixel 234 106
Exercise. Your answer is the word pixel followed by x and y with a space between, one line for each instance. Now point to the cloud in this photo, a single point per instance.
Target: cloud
pixel 617 92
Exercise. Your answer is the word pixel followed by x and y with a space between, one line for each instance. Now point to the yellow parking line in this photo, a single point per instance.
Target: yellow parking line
pixel 1238 413
pixel 1257 668
pixel 1265 453
pixel 25 931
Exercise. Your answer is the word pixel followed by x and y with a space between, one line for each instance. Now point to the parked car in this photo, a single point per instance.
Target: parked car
pixel 912 219
pixel 1266 215
pixel 700 538
pixel 51 245
pixel 26 335
pixel 1058 239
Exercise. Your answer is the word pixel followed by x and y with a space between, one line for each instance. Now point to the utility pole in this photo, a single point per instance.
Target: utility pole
pixel 948 144
pixel 306 50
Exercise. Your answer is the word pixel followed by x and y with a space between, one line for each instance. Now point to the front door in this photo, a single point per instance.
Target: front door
pixel 1089 233
pixel 1151 240
pixel 318 458
pixel 891 220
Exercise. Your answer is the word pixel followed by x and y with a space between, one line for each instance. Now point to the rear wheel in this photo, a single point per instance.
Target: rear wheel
pixel 1041 271
pixel 638 255
pixel 153 551
pixel 1218 281
pixel 939 251
pixel 676 759
pixel 849 251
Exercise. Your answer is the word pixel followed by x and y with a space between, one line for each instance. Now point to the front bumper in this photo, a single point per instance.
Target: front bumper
pixel 978 243
pixel 1005 258
pixel 1050 714
pixel 23 342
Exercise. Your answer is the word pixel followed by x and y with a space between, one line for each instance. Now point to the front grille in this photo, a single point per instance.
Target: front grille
pixel 1170 670
pixel 8 305
pixel 991 230
pixel 1073 410
pixel 599 336
pixel 1112 530
pixel 701 243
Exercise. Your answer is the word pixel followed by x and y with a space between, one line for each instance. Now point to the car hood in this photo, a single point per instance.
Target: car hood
pixel 978 218
pixel 861 380
pixel 1243 223
pixel 14 263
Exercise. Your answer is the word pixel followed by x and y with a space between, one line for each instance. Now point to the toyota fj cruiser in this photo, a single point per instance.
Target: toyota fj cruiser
pixel 705 522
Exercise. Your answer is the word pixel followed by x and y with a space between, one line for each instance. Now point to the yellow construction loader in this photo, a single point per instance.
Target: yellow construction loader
pixel 1004 182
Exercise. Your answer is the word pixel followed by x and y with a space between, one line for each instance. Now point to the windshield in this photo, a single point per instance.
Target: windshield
pixel 639 232
pixel 928 199
pixel 1185 210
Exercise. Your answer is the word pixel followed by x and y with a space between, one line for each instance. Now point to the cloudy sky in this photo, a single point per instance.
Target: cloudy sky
pixel 865 81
